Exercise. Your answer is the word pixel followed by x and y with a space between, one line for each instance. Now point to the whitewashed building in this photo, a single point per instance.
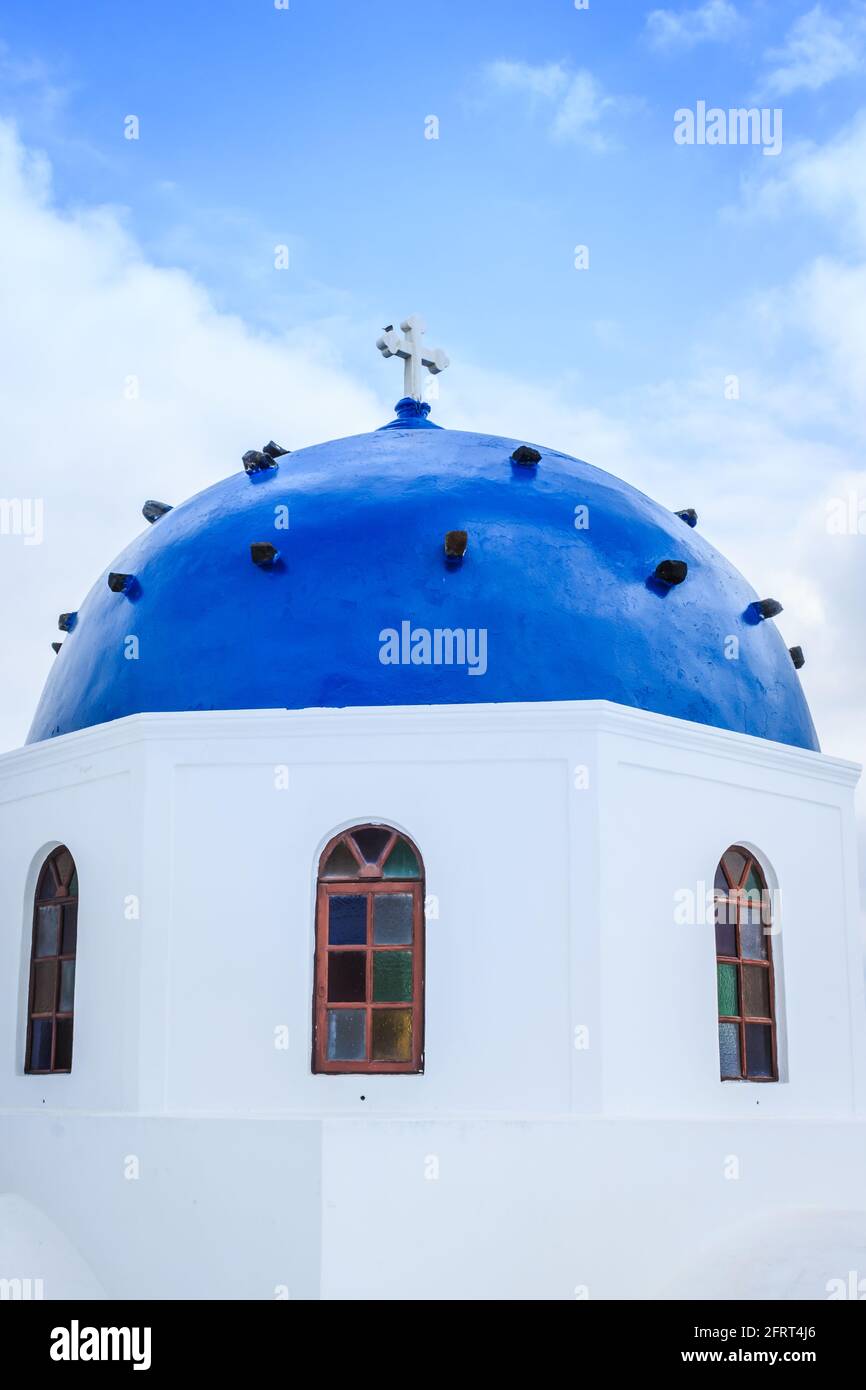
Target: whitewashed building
pixel 358 898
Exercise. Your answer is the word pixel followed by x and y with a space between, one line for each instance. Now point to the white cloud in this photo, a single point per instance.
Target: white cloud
pixel 825 181
pixel 817 49
pixel 715 20
pixel 574 102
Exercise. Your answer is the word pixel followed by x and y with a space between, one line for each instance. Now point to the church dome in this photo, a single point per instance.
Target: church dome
pixel 554 598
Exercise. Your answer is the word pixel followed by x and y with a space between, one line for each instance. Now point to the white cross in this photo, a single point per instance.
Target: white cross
pixel 414 355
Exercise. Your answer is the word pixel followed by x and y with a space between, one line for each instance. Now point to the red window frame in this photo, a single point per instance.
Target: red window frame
pixel 60 865
pixel 366 878
pixel 735 899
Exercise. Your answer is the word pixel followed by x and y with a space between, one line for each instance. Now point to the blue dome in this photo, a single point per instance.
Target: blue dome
pixel 362 606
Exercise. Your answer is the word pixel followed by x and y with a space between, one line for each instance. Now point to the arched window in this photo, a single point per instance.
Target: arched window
pixel 52 966
pixel 744 964
pixel 368 1005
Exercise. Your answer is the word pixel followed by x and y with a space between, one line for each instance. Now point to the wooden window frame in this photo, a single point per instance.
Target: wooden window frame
pixel 368 882
pixel 62 898
pixel 738 895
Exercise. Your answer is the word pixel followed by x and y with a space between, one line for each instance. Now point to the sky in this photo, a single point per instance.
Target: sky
pixel 302 174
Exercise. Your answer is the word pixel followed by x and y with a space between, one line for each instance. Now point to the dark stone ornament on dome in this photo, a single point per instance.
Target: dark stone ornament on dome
pixel 275 451
pixel 256 461
pixel 797 657
pixel 455 545
pixel 688 515
pixel 765 608
pixel 263 554
pixel 152 510
pixel 123 584
pixel 525 454
pixel 670 572
pixel 66 622
pixel 55 647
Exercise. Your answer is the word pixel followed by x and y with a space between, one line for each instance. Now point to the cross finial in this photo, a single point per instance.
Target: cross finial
pixel 415 357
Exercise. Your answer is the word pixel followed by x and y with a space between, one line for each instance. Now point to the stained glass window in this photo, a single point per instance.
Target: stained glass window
pixel 744 967
pixel 368 1008
pixel 52 966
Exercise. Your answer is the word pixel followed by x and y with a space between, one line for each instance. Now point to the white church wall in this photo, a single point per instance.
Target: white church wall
pixel 492 830
pixel 674 806
pixel 493 1208
pixel 555 839
pixel 86 794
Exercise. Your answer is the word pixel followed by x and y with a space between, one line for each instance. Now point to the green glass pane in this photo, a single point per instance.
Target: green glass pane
pixel 392 919
pixel 759 1049
pixel 729 1050
pixel 402 862
pixel 754 883
pixel 347 1035
pixel 67 986
pixel 47 930
pixel 728 993
pixel 756 991
pixel 73 885
pixel 44 986
pixel 392 1035
pixel 341 863
pixel 392 977
pixel 735 863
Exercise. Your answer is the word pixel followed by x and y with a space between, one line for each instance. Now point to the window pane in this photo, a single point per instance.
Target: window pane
pixel 720 883
pixel 47 882
pixel 73 885
pixel 756 991
pixel 371 842
pixel 44 987
pixel 392 976
pixel 392 919
pixel 754 883
pixel 40 1044
pixel 392 1035
pixel 64 866
pixel 735 863
pixel 70 929
pixel 753 942
pixel 347 919
pixel 67 986
pixel 47 931
pixel 759 1049
pixel 401 862
pixel 728 992
pixel 729 1049
pixel 347 976
pixel 726 931
pixel 347 1035
pixel 341 863
pixel 63 1046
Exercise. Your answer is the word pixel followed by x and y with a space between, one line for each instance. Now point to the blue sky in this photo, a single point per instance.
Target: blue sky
pixel 305 126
